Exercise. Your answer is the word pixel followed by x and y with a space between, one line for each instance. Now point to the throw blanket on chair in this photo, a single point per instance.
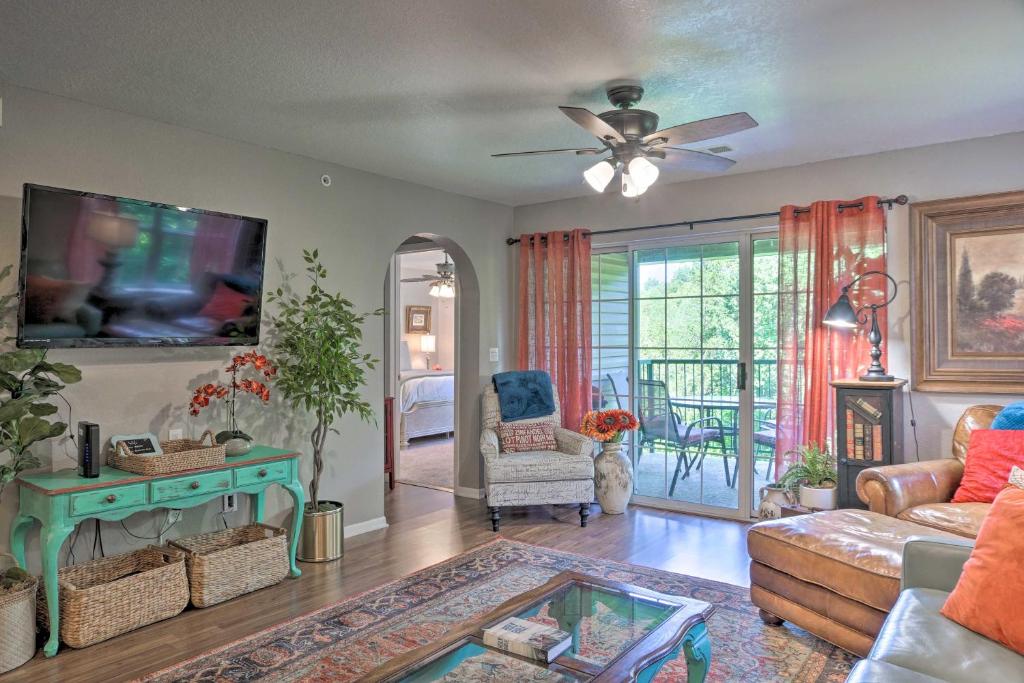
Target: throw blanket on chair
pixel 523 394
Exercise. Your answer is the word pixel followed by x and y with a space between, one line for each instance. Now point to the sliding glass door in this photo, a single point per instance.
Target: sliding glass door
pixel 675 340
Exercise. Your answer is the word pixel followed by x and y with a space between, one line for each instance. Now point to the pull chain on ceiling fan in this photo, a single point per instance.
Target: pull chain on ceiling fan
pixel 631 137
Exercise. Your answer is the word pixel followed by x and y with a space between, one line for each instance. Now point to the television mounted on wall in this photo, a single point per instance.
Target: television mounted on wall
pixel 98 270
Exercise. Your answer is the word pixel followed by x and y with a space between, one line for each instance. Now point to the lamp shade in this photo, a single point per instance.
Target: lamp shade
pixel 841 313
pixel 113 231
pixel 428 343
pixel 643 172
pixel 442 289
pixel 599 175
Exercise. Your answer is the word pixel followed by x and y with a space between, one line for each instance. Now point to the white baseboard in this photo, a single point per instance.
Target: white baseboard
pixel 466 492
pixel 364 527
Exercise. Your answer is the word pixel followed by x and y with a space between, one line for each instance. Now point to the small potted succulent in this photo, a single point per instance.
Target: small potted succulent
pixel 814 477
pixel 236 442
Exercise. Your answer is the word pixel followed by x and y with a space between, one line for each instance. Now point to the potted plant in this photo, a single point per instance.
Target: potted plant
pixel 236 442
pixel 814 477
pixel 613 471
pixel 316 346
pixel 28 381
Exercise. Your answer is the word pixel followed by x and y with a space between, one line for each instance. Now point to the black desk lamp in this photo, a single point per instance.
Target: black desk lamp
pixel 842 314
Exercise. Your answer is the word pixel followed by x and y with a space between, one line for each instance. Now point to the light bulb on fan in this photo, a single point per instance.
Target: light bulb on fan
pixel 631 188
pixel 599 175
pixel 644 173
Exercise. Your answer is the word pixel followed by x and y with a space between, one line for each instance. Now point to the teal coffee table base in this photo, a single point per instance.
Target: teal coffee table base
pixel 61 500
pixel 620 633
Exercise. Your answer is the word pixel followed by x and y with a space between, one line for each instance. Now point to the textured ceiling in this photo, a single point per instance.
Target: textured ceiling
pixel 425 90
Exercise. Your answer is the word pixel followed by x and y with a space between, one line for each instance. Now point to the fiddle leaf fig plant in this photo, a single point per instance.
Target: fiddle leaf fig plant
pixel 28 382
pixel 317 347
pixel 816 469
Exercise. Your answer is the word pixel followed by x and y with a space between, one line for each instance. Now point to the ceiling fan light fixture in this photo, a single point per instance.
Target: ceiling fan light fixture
pixel 643 172
pixel 599 175
pixel 442 289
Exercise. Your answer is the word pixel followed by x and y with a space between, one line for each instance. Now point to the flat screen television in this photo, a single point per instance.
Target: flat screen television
pixel 111 271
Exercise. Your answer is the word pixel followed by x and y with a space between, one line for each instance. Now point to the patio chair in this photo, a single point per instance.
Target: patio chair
pixel 764 443
pixel 659 424
pixel 609 393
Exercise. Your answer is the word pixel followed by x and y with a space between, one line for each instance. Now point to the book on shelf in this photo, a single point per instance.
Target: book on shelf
pixel 528 639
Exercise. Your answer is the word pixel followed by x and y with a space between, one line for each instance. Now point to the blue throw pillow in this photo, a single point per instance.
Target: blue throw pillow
pixel 1010 417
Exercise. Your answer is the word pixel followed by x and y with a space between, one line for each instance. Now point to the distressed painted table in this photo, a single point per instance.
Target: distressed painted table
pixel 619 633
pixel 61 500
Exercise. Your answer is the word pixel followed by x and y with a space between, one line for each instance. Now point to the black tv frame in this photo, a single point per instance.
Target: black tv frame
pixel 109 342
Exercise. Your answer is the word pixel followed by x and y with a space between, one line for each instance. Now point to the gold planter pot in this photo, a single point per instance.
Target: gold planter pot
pixel 323 534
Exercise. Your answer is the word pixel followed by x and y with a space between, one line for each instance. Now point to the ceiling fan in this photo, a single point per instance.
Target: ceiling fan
pixel 442 285
pixel 630 135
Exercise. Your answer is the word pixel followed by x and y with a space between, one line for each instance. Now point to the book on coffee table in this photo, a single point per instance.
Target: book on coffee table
pixel 528 639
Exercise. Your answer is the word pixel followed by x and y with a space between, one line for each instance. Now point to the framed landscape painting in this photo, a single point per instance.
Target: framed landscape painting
pixel 967 275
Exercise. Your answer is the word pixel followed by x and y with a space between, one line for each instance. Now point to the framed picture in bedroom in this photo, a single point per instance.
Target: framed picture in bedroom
pixel 417 319
pixel 967 279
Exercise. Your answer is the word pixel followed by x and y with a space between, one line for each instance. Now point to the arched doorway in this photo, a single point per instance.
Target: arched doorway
pixel 416 387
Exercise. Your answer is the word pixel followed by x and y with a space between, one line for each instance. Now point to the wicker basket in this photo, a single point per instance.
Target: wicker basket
pixel 228 563
pixel 17 625
pixel 110 596
pixel 179 455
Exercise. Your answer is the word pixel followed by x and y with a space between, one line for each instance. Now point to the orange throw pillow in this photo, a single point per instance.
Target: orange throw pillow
pixel 987 596
pixel 991 453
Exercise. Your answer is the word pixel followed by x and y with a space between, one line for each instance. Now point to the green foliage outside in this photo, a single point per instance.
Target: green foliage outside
pixel 28 382
pixel 316 345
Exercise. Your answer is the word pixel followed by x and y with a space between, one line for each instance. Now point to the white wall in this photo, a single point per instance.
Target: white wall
pixel 970 167
pixel 357 224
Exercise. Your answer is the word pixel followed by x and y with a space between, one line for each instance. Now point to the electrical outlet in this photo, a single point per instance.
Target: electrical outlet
pixel 229 503
pixel 176 433
pixel 495 354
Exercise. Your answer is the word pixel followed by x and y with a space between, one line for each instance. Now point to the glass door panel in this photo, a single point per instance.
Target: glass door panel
pixel 764 379
pixel 687 348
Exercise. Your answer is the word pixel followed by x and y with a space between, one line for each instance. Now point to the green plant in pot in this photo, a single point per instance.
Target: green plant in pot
pixel 316 345
pixel 814 477
pixel 28 382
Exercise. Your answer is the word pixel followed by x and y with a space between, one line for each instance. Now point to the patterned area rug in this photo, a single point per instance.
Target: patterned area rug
pixel 345 641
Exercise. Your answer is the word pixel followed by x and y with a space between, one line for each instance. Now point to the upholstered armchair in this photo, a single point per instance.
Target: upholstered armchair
pixel 557 477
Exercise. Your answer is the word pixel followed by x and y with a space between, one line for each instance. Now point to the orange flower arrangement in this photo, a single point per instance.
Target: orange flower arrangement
pixel 202 396
pixel 608 425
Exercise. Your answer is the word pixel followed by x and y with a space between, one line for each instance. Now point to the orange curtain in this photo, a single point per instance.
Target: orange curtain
pixel 821 251
pixel 554 315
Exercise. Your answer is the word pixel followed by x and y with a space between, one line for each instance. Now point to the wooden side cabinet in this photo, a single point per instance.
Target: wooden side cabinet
pixel 869 431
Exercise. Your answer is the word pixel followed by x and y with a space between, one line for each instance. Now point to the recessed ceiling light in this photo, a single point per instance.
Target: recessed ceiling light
pixel 720 149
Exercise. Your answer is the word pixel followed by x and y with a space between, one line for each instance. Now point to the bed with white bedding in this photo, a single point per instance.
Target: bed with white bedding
pixel 426 400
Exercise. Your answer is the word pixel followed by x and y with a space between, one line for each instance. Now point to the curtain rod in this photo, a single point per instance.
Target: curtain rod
pixel 901 200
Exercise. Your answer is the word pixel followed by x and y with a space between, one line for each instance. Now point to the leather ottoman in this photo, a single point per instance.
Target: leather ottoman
pixel 835 574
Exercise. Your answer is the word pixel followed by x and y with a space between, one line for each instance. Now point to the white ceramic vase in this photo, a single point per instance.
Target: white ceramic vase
pixel 819 499
pixel 613 478
pixel 772 500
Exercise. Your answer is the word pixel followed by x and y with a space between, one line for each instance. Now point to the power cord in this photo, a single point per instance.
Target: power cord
pixel 913 427
pixel 151 538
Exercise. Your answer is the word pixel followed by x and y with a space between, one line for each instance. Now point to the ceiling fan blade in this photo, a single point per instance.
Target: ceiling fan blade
pixel 705 129
pixel 695 161
pixel 592 123
pixel 421 278
pixel 586 150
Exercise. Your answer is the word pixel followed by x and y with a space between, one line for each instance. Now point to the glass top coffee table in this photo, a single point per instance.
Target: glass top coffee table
pixel 620 633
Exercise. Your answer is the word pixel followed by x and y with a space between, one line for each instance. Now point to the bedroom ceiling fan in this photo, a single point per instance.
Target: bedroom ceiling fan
pixel 442 285
pixel 631 137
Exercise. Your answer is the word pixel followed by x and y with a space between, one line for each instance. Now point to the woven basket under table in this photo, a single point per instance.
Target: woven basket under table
pixel 231 562
pixel 104 598
pixel 17 625
pixel 178 455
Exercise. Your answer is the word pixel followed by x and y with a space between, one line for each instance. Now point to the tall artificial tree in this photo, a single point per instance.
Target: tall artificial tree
pixel 317 348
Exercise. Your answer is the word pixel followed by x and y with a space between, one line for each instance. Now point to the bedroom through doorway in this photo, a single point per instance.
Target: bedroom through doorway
pixel 424 397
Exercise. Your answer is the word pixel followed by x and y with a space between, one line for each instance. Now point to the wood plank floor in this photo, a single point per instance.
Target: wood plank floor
pixel 426 527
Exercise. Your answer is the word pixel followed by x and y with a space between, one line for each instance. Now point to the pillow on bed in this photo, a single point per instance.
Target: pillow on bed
pixel 517 437
pixel 405 358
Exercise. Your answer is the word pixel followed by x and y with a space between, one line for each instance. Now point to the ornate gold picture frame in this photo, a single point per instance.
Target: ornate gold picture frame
pixel 967 279
pixel 417 319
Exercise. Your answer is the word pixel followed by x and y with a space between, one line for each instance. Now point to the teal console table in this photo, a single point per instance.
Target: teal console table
pixel 60 500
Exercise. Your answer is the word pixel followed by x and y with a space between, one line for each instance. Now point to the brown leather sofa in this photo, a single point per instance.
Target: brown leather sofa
pixel 920 492
pixel 837 574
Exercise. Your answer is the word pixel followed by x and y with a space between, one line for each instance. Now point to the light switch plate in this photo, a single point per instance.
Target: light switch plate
pixel 495 354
